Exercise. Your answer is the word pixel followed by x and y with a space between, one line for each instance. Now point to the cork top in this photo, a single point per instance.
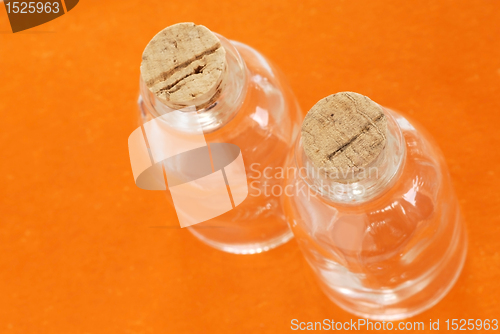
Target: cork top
pixel 183 64
pixel 344 132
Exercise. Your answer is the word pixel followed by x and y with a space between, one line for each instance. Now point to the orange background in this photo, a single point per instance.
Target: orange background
pixel 79 250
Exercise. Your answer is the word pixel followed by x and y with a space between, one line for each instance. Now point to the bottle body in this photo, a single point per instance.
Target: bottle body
pixel 386 253
pixel 256 111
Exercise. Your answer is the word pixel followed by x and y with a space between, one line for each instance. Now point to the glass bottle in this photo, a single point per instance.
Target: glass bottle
pixel 389 244
pixel 257 111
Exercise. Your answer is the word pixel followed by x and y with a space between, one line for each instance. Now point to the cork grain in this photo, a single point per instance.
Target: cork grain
pixel 344 131
pixel 182 63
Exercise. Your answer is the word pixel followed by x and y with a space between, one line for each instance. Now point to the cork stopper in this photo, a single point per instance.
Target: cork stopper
pixel 183 65
pixel 344 132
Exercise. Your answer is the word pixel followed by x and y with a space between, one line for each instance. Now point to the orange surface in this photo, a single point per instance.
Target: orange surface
pixel 79 250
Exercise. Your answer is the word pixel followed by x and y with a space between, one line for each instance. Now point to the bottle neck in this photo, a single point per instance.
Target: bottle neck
pixel 212 110
pixel 354 187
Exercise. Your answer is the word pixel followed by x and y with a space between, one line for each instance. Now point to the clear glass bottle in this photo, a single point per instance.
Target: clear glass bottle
pixel 257 111
pixel 389 245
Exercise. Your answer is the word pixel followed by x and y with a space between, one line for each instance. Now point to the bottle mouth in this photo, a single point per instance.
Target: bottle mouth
pixel 183 65
pixel 344 132
pixel 211 110
pixel 356 185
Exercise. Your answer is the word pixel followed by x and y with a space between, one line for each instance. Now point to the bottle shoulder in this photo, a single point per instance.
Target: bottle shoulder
pixel 269 113
pixel 416 200
pixel 423 167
